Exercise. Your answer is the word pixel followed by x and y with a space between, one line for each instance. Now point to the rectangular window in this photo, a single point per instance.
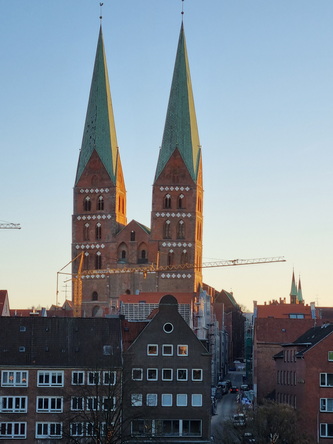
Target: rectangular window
pixel 13 404
pixel 326 379
pixel 181 374
pixel 166 400
pixel 151 399
pixel 92 403
pixel 167 349
pixel 93 378
pixel 152 349
pixel 326 404
pixel 152 374
pixel 77 403
pixel 77 428
pixel 197 374
pixel 141 427
pixel 196 400
pixel 136 400
pixel 48 430
pixel 50 379
pixel 167 374
pixel 11 378
pixel 182 350
pixel 77 378
pixel 137 374
pixel 326 430
pixel 109 378
pixel 13 430
pixel 330 355
pixel 49 404
pixel 109 403
pixel 191 427
pixel 182 400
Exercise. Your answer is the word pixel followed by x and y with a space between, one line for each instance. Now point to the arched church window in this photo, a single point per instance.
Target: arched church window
pixel 181 230
pixel 123 254
pixel 170 257
pixel 181 201
pixel 98 260
pixel 132 235
pixel 98 231
pixel 167 201
pixel 94 296
pixel 143 254
pixel 184 257
pixel 100 203
pixel 86 232
pixel 167 230
pixel 86 261
pixel 87 204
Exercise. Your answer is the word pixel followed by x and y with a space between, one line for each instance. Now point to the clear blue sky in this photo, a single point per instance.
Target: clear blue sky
pixel 262 75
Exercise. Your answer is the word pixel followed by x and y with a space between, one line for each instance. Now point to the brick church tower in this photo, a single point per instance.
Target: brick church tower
pixel 99 227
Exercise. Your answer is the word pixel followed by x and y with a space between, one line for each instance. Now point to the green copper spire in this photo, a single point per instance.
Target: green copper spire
pixel 99 130
pixel 181 129
pixel 293 291
pixel 299 292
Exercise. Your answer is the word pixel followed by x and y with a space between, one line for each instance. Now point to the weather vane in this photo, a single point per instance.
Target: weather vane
pixel 100 11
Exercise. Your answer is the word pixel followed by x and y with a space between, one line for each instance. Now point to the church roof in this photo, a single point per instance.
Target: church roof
pixel 99 130
pixel 293 290
pixel 181 129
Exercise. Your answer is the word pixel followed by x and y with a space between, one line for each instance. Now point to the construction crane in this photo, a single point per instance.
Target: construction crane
pixel 9 226
pixel 153 268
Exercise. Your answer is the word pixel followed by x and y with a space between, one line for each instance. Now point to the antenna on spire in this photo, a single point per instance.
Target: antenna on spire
pixel 182 8
pixel 100 11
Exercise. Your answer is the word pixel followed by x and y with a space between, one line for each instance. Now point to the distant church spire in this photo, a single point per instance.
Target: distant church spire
pixel 181 129
pixel 299 292
pixel 293 291
pixel 99 130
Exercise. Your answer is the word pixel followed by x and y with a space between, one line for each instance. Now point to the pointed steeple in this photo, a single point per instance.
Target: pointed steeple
pixel 181 131
pixel 299 292
pixel 99 131
pixel 293 291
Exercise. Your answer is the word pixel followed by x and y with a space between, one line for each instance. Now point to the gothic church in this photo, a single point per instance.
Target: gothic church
pixel 100 232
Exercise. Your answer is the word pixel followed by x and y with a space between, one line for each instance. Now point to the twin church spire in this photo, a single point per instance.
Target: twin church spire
pixel 100 229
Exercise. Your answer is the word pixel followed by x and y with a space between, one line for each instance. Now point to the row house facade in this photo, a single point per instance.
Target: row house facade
pixel 65 379
pixel 304 380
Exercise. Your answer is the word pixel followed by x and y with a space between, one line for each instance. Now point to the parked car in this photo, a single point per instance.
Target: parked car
pixel 239 420
pixel 224 387
pixel 244 387
pixel 248 438
pixel 233 389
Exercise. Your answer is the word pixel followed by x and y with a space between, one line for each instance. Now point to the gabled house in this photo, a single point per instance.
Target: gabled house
pixel 304 380
pixel 167 371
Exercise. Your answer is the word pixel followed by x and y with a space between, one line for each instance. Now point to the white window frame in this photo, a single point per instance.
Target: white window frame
pixel 156 372
pixel 92 403
pixel 5 401
pixel 77 426
pixel 180 347
pixel 151 399
pixel 324 430
pixel 324 376
pixel 186 374
pixel 166 400
pixel 140 370
pixel 48 430
pixel 111 376
pixel 171 374
pixel 164 346
pixel 14 378
pixel 149 347
pixel 324 404
pixel 77 403
pixel 181 400
pixel 330 356
pixel 79 375
pixel 196 400
pixel 107 398
pixel 47 402
pixel 52 376
pixel 13 430
pixel 91 375
pixel 136 400
pixel 201 374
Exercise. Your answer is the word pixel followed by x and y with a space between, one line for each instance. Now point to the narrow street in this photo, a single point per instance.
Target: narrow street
pixel 227 405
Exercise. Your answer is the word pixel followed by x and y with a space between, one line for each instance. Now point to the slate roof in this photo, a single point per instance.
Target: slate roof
pixel 60 342
pixel 181 130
